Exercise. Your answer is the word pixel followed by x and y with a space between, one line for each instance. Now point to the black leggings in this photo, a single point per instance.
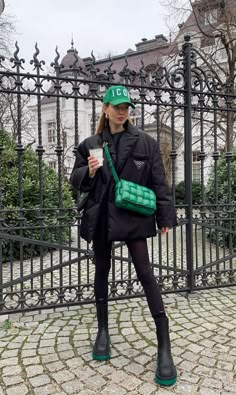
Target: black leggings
pixel 139 253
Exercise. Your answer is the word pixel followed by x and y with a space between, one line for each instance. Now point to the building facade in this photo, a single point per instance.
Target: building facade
pixel 149 57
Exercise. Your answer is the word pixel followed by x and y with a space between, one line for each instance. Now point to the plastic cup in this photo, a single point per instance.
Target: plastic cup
pixel 98 154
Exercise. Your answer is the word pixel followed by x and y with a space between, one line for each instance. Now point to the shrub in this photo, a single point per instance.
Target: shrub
pixel 180 192
pixel 32 227
pixel 223 216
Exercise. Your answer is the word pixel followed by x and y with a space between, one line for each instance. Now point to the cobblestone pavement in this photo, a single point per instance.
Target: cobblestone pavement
pixel 49 352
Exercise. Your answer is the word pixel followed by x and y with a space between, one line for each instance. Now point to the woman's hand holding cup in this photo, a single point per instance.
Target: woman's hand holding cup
pixel 95 160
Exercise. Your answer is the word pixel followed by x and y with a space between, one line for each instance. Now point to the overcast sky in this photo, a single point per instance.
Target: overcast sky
pixel 99 25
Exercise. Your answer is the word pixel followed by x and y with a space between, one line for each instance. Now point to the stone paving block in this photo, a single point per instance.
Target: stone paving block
pixel 74 362
pixel 28 353
pixel 47 390
pixel 82 336
pixel 14 345
pixel 62 376
pixel 8 362
pixel 212 383
pixel 18 390
pixel 49 358
pixel 187 366
pixel 162 391
pixel 151 351
pixel 31 361
pixel 225 365
pixel 147 389
pixel 53 315
pixel 142 359
pixel 34 370
pixel 148 377
pixel 106 370
pixel 95 383
pixel 64 346
pixel 40 317
pixel 189 377
pixel 185 389
pixel 85 392
pixel 222 375
pixel 208 391
pixel 230 387
pixel 29 346
pixel 9 353
pixel 119 376
pixel 206 361
pixel 13 370
pixel 39 380
pixel 131 384
pixel 177 350
pixel 117 339
pixel 55 366
pixel 120 361
pixel 73 387
pixel 112 389
pixel 208 343
pixel 84 372
pixel 64 355
pixel 12 380
pixel 135 368
pixel 47 343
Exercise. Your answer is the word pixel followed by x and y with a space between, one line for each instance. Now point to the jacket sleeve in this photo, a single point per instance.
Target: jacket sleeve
pixel 166 213
pixel 80 174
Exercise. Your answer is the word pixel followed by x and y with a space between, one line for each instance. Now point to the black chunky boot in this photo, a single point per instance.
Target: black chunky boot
pixel 101 348
pixel 166 372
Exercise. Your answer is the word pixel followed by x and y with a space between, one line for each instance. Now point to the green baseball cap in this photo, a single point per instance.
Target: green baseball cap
pixel 117 94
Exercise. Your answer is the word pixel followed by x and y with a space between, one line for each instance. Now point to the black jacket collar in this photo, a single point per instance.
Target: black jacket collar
pixel 129 139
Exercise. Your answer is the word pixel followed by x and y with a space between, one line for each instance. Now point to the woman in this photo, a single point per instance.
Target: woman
pixel 136 158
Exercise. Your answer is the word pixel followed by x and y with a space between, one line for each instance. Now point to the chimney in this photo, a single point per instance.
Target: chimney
pixel 145 45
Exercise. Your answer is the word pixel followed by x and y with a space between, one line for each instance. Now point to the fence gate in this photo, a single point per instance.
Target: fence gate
pixel 43 261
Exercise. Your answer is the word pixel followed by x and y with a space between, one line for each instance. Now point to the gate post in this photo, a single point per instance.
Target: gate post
pixel 187 61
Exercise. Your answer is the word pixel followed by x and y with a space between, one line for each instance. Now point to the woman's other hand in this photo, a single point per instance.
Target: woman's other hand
pixel 164 230
pixel 93 165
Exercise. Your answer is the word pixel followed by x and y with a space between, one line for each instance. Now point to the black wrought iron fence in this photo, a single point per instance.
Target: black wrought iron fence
pixel 44 262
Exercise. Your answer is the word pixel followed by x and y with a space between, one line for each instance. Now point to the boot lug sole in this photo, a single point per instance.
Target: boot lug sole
pixel 101 357
pixel 165 382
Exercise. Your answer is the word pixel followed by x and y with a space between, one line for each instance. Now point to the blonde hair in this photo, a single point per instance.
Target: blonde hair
pixel 103 122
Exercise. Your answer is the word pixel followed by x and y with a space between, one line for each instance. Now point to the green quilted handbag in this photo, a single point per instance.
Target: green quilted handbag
pixel 131 196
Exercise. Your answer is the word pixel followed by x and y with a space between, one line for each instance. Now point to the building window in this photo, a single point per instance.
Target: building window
pixel 135 117
pixel 223 55
pixel 102 88
pixel 136 121
pixel 196 166
pixel 52 164
pixel 51 132
pixel 210 17
pixel 207 42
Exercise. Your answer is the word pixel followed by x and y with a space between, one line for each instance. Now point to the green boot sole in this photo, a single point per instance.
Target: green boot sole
pixel 165 383
pixel 101 357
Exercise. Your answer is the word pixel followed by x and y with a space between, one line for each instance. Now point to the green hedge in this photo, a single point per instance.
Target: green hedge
pixel 10 200
pixel 223 215
pixel 180 192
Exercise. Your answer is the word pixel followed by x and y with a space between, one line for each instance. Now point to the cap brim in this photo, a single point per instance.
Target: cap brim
pixel 121 101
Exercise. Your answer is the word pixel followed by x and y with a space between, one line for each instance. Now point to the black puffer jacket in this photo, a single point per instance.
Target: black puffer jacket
pixel 138 160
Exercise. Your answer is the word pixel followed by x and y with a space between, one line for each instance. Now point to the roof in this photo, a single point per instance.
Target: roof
pixel 71 60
